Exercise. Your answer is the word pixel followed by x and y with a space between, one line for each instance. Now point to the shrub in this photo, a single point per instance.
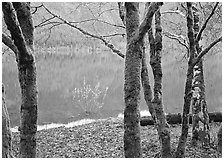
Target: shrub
pixel 90 98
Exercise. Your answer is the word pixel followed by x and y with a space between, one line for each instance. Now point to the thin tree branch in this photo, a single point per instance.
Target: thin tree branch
pixel 206 50
pixel 36 8
pixel 109 45
pixel 115 34
pixel 205 24
pixel 177 38
pixel 175 12
pixel 9 43
pixel 45 21
pixel 95 19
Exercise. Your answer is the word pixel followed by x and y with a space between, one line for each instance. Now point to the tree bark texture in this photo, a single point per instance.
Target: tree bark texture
pixel 155 62
pixel 22 34
pixel 199 106
pixel 6 132
pixel 133 59
pixel 188 86
pixel 219 137
pixel 144 72
pixel 146 86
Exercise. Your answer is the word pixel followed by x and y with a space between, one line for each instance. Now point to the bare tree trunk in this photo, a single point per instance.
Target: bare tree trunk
pixel 146 86
pixel 6 133
pixel 199 106
pixel 144 72
pixel 132 86
pixel 155 62
pixel 188 86
pixel 22 35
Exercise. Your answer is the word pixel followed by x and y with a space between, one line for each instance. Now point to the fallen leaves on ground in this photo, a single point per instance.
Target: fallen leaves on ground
pixel 103 139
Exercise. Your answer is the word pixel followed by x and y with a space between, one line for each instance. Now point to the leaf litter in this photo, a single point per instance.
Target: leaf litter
pixel 104 139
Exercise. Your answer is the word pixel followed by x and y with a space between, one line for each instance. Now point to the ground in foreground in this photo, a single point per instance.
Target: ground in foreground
pixel 105 139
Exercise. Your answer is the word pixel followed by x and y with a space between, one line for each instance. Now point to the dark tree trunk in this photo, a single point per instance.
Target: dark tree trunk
pixel 155 62
pixel 22 35
pixel 188 86
pixel 133 63
pixel 146 86
pixel 6 133
pixel 132 86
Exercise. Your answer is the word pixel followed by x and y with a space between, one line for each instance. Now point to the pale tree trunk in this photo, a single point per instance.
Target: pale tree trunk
pixel 6 132
pixel 188 86
pixel 155 62
pixel 22 35
pixel 132 86
pixel 199 106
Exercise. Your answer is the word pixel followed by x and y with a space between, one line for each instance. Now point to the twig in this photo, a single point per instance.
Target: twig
pixel 175 12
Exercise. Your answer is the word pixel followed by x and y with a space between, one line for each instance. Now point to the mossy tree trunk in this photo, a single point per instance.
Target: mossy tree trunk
pixel 188 86
pixel 155 62
pixel 199 105
pixel 20 25
pixel 144 71
pixel 6 133
pixel 132 85
pixel 146 86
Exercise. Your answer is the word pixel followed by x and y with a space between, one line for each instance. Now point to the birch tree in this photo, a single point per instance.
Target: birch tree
pixel 193 60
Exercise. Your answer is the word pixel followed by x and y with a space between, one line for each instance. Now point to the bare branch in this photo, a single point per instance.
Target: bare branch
pixel 115 34
pixel 101 13
pixel 206 50
pixel 9 43
pixel 109 45
pixel 181 40
pixel 45 21
pixel 205 24
pixel 95 19
pixel 36 8
pixel 175 12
